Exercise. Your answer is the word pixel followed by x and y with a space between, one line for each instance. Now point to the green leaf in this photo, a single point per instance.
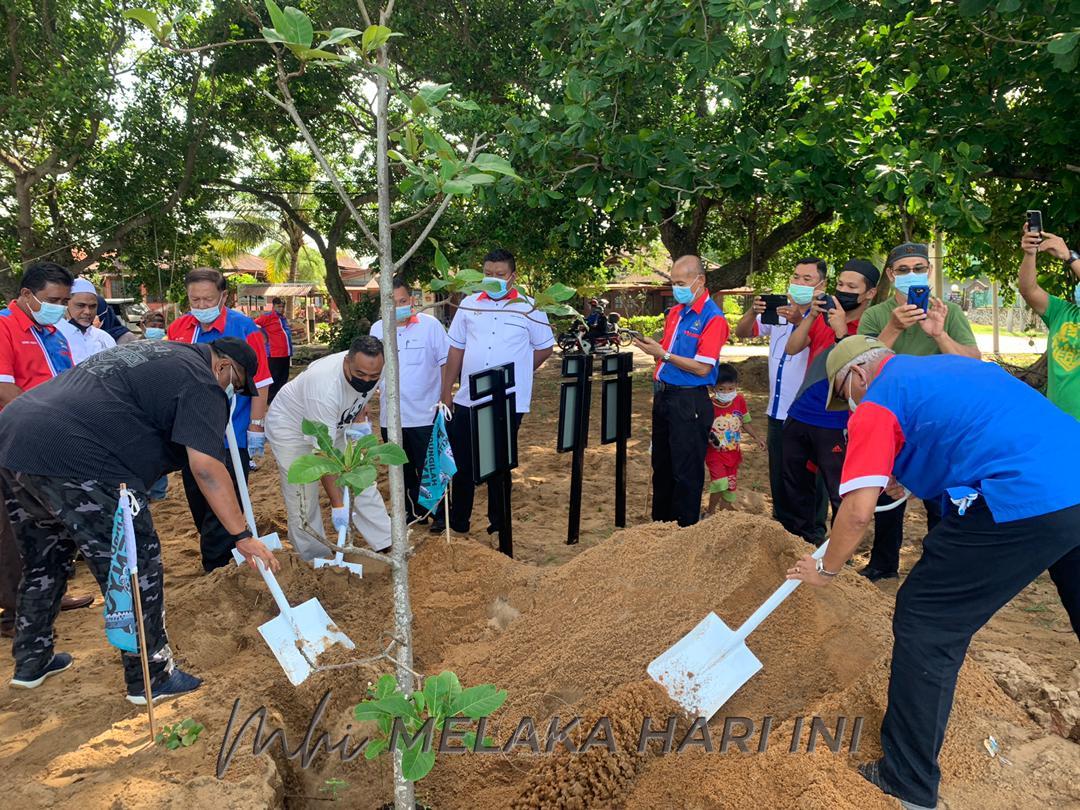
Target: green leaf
pixel 418 105
pixel 440 691
pixel 385 685
pixel 359 479
pixel 418 701
pixel 340 35
pixel 461 186
pixel 479 179
pixel 189 738
pixel 415 764
pixel 478 701
pixel 271 35
pixel 146 17
pixel 314 54
pixel 277 16
pixel 805 138
pixel 972 8
pixel 367 442
pixel 298 29
pixel 463 104
pixel 434 93
pixel 442 264
pixel 469 739
pixel 560 292
pixel 394 705
pixel 940 72
pixel 1063 43
pixel 493 164
pixel 910 81
pixel 309 469
pixel 1008 6
pixel 374 748
pixel 389 454
pixel 374 37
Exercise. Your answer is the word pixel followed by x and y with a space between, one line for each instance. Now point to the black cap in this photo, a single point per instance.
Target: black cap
pixel 863 268
pixel 239 351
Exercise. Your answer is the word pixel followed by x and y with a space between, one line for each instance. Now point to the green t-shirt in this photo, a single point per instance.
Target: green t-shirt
pixel 914 339
pixel 1062 318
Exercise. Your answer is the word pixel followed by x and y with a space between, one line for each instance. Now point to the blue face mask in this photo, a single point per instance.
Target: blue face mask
pixel 504 288
pixel 906 282
pixel 49 314
pixel 1076 295
pixel 801 294
pixel 154 333
pixel 403 313
pixel 208 315
pixel 683 295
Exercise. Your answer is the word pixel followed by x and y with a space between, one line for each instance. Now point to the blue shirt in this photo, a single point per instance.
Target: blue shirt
pixel 944 423
pixel 809 404
pixel 698 331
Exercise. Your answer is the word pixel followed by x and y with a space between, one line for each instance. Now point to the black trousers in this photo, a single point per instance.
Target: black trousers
pixel 970 567
pixel 681 419
pixel 781 509
pixel 415 441
pixel 459 430
pixel 279 370
pixel 216 543
pixel 889 533
pixel 811 452
pixel 10 569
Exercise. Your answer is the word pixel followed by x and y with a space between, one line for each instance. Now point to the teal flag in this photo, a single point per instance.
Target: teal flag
pixel 119 605
pixel 439 466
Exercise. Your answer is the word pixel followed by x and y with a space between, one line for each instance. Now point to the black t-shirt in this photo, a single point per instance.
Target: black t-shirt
pixel 124 415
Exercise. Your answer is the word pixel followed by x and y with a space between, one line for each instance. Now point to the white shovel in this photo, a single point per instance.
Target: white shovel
pixel 710 663
pixel 338 560
pixel 271 541
pixel 299 635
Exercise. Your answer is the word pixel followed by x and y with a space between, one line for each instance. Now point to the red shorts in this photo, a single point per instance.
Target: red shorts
pixel 723 464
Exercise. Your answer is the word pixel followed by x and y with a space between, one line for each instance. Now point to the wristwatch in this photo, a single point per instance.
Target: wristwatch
pixel 244 535
pixel 1074 256
pixel 820 568
pixel 257 422
pixel 667 356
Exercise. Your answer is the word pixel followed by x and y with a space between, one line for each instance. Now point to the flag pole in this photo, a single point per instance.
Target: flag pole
pixel 133 566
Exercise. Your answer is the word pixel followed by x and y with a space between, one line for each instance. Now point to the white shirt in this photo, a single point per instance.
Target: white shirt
pixel 84 344
pixel 786 372
pixel 495 332
pixel 422 347
pixel 319 393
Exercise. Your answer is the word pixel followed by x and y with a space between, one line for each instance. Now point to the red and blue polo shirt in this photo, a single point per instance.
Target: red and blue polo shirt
pixel 30 353
pixel 230 323
pixel 278 333
pixel 698 331
pixel 945 424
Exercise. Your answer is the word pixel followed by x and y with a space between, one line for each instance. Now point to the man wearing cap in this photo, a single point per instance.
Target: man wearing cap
pixel 814 437
pixel 32 351
pixel 210 320
pixel 907 329
pixel 686 365
pixel 335 391
pixel 423 347
pixel 935 425
pixel 125 416
pixel 279 339
pixel 84 339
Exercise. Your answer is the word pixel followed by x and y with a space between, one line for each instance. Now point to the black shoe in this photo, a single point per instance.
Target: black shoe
pixel 58 664
pixel 492 529
pixel 437 526
pixel 871 772
pixel 875 574
pixel 178 683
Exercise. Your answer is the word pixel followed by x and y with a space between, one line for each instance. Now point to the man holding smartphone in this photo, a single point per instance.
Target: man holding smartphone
pixel 909 329
pixel 1062 318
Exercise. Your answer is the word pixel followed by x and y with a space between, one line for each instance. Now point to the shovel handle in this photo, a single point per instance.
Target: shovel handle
pixel 770 604
pixel 275 590
pixel 241 479
pixel 344 530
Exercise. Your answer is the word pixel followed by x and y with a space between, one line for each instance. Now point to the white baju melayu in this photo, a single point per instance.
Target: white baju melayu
pixel 322 394
pixel 84 343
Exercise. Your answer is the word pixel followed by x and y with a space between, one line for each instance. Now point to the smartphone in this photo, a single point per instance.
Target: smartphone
pixel 772 303
pixel 1034 221
pixel 826 302
pixel 919 295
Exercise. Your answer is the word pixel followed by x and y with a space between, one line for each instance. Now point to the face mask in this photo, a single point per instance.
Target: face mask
pixel 906 282
pixel 849 301
pixel 230 392
pixel 1076 295
pixel 155 333
pixel 504 288
pixel 403 313
pixel 801 294
pixel 683 295
pixel 49 314
pixel 851 403
pixel 208 315
pixel 362 386
pixel 725 399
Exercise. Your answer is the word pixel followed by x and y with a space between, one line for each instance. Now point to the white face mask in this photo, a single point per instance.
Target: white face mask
pixel 725 399
pixel 851 403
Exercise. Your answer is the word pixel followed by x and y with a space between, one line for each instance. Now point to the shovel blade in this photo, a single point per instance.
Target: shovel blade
pixel 271 541
pixel 698 674
pixel 298 643
pixel 329 562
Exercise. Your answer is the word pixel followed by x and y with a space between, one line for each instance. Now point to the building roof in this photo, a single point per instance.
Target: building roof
pixel 287 289
pixel 244 263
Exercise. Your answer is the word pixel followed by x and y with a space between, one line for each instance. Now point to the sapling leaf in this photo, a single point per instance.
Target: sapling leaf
pixel 479 701
pixel 271 35
pixel 375 36
pixel 339 35
pixel 309 469
pixel 561 292
pixel 415 763
pixel 298 29
pixel 367 442
pixel 359 479
pixel 385 685
pixel 418 701
pixel 389 454
pixel 146 17
pixel 374 748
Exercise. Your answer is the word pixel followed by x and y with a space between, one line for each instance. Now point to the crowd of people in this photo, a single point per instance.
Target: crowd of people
pixel 866 400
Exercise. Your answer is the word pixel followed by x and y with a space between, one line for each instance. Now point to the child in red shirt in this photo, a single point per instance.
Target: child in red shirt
pixel 730 416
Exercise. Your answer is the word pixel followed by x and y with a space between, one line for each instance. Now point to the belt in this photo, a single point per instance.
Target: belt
pixel 659 386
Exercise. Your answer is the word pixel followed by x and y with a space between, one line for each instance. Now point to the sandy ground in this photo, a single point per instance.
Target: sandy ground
pixel 563 628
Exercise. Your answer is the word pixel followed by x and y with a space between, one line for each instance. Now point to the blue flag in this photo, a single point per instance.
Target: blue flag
pixel 119 607
pixel 439 467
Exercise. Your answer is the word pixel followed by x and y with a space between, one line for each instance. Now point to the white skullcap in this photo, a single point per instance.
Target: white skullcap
pixel 81 285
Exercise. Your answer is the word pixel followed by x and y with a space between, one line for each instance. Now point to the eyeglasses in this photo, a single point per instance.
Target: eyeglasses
pixel 903 271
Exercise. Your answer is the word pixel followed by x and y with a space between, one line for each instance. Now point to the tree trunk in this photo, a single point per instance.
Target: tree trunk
pixel 24 217
pixel 404 794
pixel 683 240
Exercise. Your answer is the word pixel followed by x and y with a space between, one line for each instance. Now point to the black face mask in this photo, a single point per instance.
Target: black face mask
pixel 848 301
pixel 362 386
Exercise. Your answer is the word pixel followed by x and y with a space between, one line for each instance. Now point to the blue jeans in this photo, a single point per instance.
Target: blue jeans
pixel 160 489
